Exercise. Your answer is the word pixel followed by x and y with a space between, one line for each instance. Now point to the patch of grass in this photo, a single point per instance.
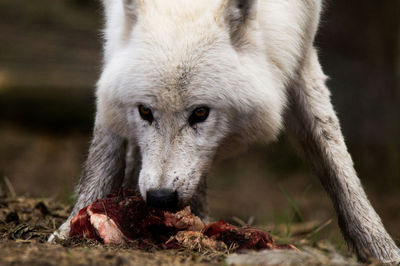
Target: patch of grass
pixel 291 214
pixel 293 204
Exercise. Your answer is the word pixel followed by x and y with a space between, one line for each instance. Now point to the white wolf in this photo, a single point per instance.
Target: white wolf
pixel 187 82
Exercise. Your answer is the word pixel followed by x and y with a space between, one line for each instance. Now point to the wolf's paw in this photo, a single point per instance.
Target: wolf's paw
pixel 61 233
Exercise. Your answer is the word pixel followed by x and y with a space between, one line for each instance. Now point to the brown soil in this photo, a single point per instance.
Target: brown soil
pixel 26 223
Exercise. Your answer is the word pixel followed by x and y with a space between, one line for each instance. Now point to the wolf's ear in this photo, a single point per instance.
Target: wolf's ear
pixel 239 13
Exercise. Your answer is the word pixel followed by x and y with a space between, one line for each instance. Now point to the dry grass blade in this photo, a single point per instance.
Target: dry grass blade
pixel 10 187
pixel 317 229
pixel 239 221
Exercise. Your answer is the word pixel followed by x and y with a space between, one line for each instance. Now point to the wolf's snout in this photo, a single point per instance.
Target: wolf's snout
pixel 165 199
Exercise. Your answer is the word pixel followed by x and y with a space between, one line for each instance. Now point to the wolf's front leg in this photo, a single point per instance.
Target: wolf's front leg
pixel 313 122
pixel 103 172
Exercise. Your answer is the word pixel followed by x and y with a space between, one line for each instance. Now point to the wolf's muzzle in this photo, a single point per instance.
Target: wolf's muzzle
pixel 165 199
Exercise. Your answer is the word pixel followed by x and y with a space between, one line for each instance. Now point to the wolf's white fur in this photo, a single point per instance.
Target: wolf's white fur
pixel 244 86
pixel 253 64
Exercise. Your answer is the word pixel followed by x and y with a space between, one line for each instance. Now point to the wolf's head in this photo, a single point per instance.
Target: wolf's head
pixel 189 81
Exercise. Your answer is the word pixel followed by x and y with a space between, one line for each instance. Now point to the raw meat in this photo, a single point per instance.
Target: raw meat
pixel 124 216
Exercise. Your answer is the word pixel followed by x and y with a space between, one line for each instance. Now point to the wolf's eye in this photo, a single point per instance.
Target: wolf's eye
pixel 146 113
pixel 199 115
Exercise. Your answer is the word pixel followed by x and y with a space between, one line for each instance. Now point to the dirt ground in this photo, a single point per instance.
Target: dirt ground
pixel 26 223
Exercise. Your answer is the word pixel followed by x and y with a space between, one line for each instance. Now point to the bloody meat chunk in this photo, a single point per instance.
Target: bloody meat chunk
pixel 120 217
pixel 243 238
pixel 124 216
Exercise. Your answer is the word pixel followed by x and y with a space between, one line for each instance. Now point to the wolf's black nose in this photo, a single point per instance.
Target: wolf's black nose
pixel 165 199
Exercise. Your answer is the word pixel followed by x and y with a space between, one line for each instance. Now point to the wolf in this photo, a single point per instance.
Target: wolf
pixel 186 83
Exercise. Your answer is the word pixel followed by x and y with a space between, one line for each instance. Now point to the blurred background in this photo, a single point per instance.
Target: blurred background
pixel 50 58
